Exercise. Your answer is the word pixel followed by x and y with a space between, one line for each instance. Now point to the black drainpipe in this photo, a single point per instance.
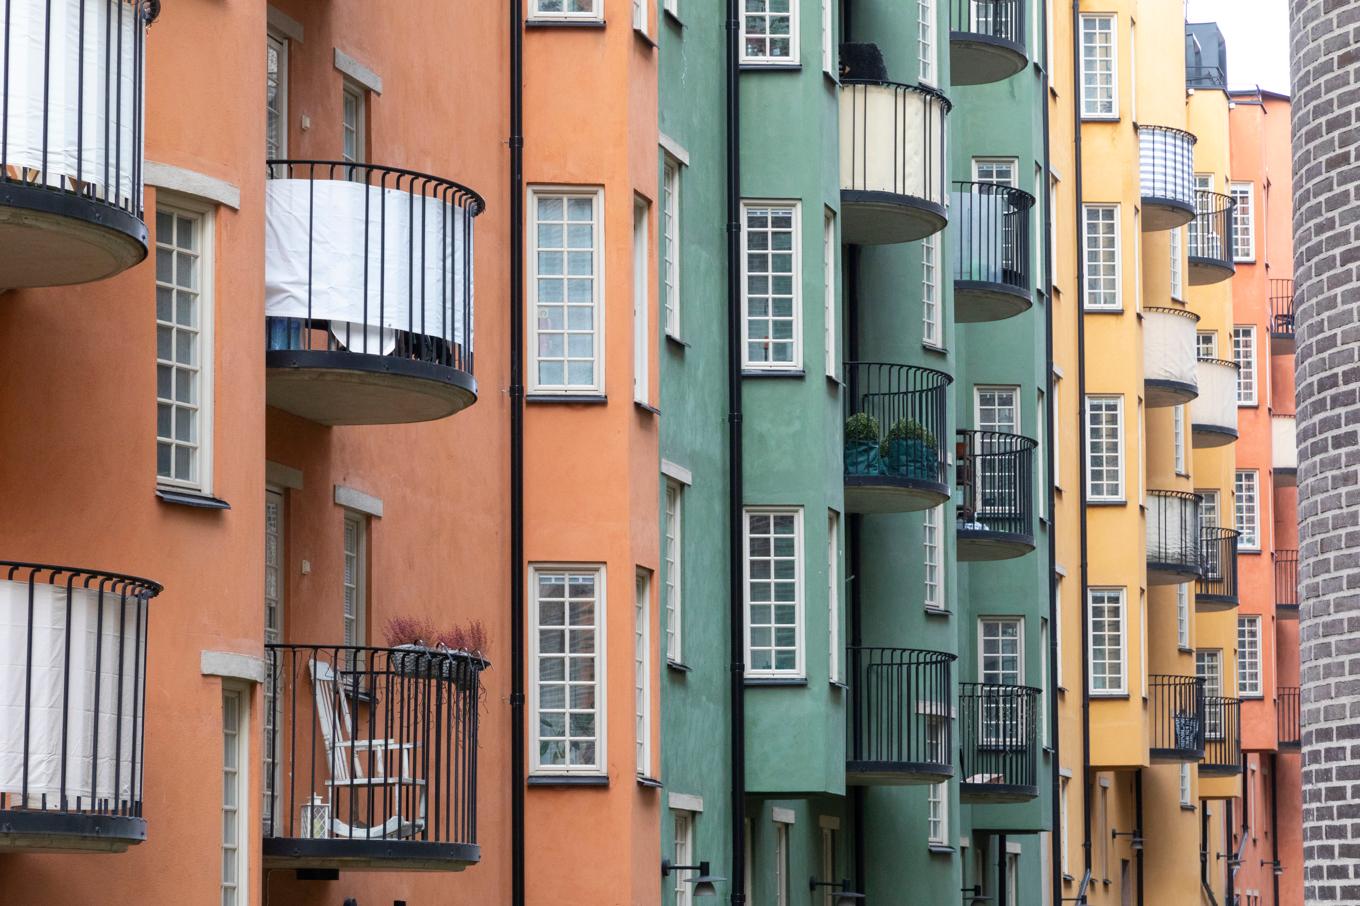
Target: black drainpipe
pixel 1001 890
pixel 1231 852
pixel 1138 813
pixel 736 621
pixel 517 745
pixel 856 527
pixel 1275 826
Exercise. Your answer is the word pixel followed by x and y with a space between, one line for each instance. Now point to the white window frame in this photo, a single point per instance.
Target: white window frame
pixel 596 387
pixel 642 671
pixel 281 46
pixel 932 327
pixel 1244 221
pixel 236 821
pixel 829 249
pixel 1177 241
pixel 829 826
pixel 1042 445
pixel 672 7
pixel 796 364
pixel 782 824
pixel 599 766
pixel 642 320
pixel 1119 465
pixel 1209 667
pixel 275 615
pixel 927 42
pixel 1045 739
pixel 1055 400
pixel 1178 439
pixel 1119 645
pixel 990 629
pixel 353 91
pixel 799 670
pixel 1001 390
pixel 1244 354
pixel 1064 862
pixel 354 619
pixel 1012 164
pixel 670 244
pixel 1249 678
pixel 795 55
pixel 937 814
pixel 1186 790
pixel 828 39
pixel 640 15
pixel 1183 616
pixel 673 555
pixel 683 854
pixel 594 14
pixel 1088 214
pixel 932 543
pixel 1206 344
pixel 1247 509
pixel 204 338
pixel 1090 111
pixel 833 595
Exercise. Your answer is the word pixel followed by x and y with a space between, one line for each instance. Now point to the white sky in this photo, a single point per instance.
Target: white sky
pixel 1257 34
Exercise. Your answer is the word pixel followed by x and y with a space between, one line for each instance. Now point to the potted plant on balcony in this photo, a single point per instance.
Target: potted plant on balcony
pixel 909 451
pixel 862 455
pixel 422 650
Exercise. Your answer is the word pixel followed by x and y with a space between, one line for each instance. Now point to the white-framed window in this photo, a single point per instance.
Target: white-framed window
pixel 672 7
pixel 769 31
pixel 1201 244
pixel 565 298
pixel 781 863
pixel 683 854
pixel 1064 862
pixel 771 277
pixel 1143 640
pixel 1246 507
pixel 997 409
pixel 1108 637
pixel 833 593
pixel 932 333
pixel 1041 460
pixel 567 669
pixel 937 814
pixel 1105 447
pixel 829 827
pixel 932 540
pixel 1178 438
pixel 1099 67
pixel 353 123
pixel 235 796
pixel 566 9
pixel 1209 667
pixel 1044 738
pixel 670 245
pixel 642 331
pixel 926 41
pixel 1058 633
pixel 1183 615
pixel 673 555
pixel 276 97
pixel 1177 264
pixel 1001 652
pixel 275 534
pixel 184 347
pixel 1249 656
pixel 355 582
pixel 1055 395
pixel 1206 344
pixel 1187 794
pixel 828 38
pixel 999 170
pixel 829 246
pixel 640 15
pixel 1208 508
pixel 1101 226
pixel 642 672
pixel 1244 221
pixel 1244 354
pixel 773 541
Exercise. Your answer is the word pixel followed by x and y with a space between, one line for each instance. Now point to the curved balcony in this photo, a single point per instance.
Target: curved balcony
pixel 1213 414
pixel 990 232
pixel 1166 170
pixel 1216 588
pixel 995 475
pixel 1282 317
pixel 998 743
pixel 986 40
pixel 1288 716
pixel 372 759
pixel 892 162
pixel 1286 584
pixel 71 140
pixel 1173 537
pixel 895 454
pixel 1222 737
pixel 1170 369
pixel 368 293
pixel 1175 718
pixel 72 707
pixel 1284 449
pixel 1211 239
pixel 898 724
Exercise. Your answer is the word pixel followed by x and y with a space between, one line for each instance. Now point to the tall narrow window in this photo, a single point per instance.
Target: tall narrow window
pixel 829 828
pixel 925 40
pixel 670 245
pixel 1101 225
pixel 1055 393
pixel 276 98
pixel 1249 656
pixel 1041 434
pixel 774 592
pixel 828 38
pixel 829 292
pixel 1183 615
pixel 355 582
pixel 1044 739
pixel 354 101
pixel 567 670
pixel 1187 796
pixel 642 333
pixel 932 530
pixel 235 846
pixel 1063 858
pixel 1178 438
pixel 1203 243
pixel 184 349
pixel 642 683
pixel 1104 447
pixel 274 572
pixel 1246 502
pixel 1177 264
pixel 937 814
pixel 683 855
pixel 566 9
pixel 1244 221
pixel 566 314
pixel 772 297
pixel 640 15
pixel 673 554
pixel 833 593
pixel 931 331
pixel 1209 667
pixel 1099 58
pixel 1108 639
pixel 769 31
pixel 781 864
pixel 1244 354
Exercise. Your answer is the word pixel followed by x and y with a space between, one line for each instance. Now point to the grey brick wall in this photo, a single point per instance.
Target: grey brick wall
pixel 1326 110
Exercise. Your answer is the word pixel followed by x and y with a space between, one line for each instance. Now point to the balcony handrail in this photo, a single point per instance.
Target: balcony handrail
pixel 998 19
pixel 1286 577
pixel 1287 707
pixel 900 703
pixel 991 228
pixel 1166 164
pixel 1211 232
pixel 995 472
pixel 905 407
pixel 1178 312
pixel 1176 711
pixel 933 93
pixel 875 162
pixel 1282 306
pixel 1222 733
pixel 401 178
pixel 1173 529
pixel 998 734
pixel 1218 558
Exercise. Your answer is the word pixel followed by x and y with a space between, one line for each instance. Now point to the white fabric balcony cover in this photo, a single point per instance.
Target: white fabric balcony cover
pixel 76 140
pixel 884 130
pixel 1216 405
pixel 1166 165
pixel 90 639
pixel 1284 443
pixel 1172 529
pixel 1169 347
pixel 977 220
pixel 416 253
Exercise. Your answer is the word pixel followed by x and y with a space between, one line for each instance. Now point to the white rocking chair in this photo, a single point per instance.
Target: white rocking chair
pixel 349 760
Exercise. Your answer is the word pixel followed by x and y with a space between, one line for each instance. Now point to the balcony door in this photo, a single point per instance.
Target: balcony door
pixel 996 411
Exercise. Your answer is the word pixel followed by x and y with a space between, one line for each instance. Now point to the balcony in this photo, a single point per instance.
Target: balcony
pixel 368 293
pixel 1222 737
pixel 895 454
pixel 1170 369
pixel 999 743
pixel 1282 317
pixel 1288 716
pixel 986 40
pixel 370 758
pixel 1213 414
pixel 893 185
pixel 995 476
pixel 72 707
pixel 1173 542
pixel 1216 588
pixel 990 232
pixel 1175 718
pixel 1211 239
pixel 1284 449
pixel 898 723
pixel 1166 168
pixel 71 140
pixel 1286 584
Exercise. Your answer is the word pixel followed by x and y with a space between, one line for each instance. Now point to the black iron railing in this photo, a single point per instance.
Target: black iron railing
pixel 1287 580
pixel 896 144
pixel 1001 20
pixel 895 422
pixel 900 701
pixel 1282 308
pixel 1176 716
pixel 991 228
pixel 999 738
pixel 73 676
pixel 369 260
pixel 1166 166
pixel 995 473
pixel 1218 562
pixel 372 749
pixel 1205 77
pixel 1289 716
pixel 1222 736
pixel 1173 537
pixel 1211 232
